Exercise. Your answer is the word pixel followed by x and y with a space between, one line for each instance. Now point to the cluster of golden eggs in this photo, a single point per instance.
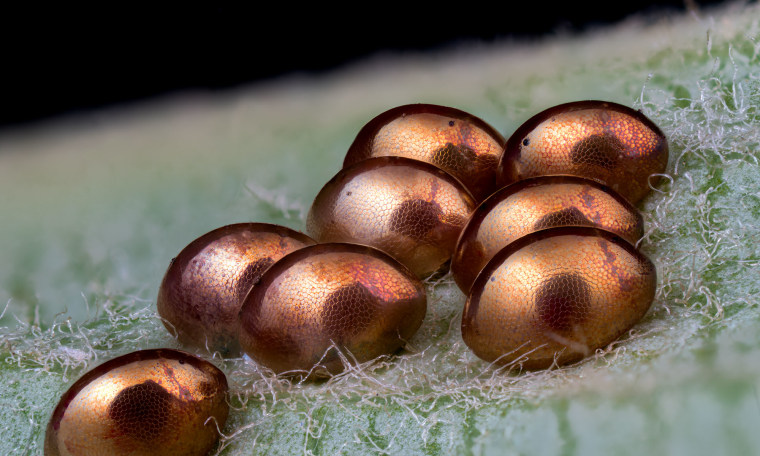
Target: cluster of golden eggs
pixel 539 232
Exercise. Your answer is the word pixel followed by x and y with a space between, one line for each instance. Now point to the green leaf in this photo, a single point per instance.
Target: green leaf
pixel 94 208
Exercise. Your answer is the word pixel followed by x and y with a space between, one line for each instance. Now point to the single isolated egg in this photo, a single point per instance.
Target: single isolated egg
pixel 149 402
pixel 203 288
pixel 409 209
pixel 557 295
pixel 535 204
pixel 600 140
pixel 349 296
pixel 459 143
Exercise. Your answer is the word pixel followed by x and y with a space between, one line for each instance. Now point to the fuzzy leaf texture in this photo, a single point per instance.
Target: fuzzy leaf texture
pixel 95 207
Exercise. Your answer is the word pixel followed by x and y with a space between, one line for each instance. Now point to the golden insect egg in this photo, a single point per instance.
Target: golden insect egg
pixel 409 209
pixel 555 296
pixel 457 142
pixel 203 288
pixel 535 204
pixel 350 297
pixel 604 141
pixel 150 402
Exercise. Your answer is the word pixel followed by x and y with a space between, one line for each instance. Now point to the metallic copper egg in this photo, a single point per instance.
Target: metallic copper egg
pixel 150 402
pixel 355 297
pixel 604 141
pixel 535 204
pixel 203 289
pixel 457 142
pixel 556 296
pixel 409 209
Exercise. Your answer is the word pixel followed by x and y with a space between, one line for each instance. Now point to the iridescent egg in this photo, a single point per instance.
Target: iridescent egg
pixel 535 204
pixel 409 209
pixel 203 289
pixel 457 142
pixel 326 299
pixel 150 402
pixel 556 296
pixel 600 140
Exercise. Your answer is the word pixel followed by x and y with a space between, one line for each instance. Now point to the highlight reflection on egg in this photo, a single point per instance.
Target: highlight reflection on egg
pixel 556 296
pixel 150 402
pixel 353 297
pixel 455 141
pixel 600 140
pixel 535 204
pixel 409 209
pixel 203 289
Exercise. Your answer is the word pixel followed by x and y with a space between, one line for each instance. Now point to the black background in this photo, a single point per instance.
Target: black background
pixel 55 60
